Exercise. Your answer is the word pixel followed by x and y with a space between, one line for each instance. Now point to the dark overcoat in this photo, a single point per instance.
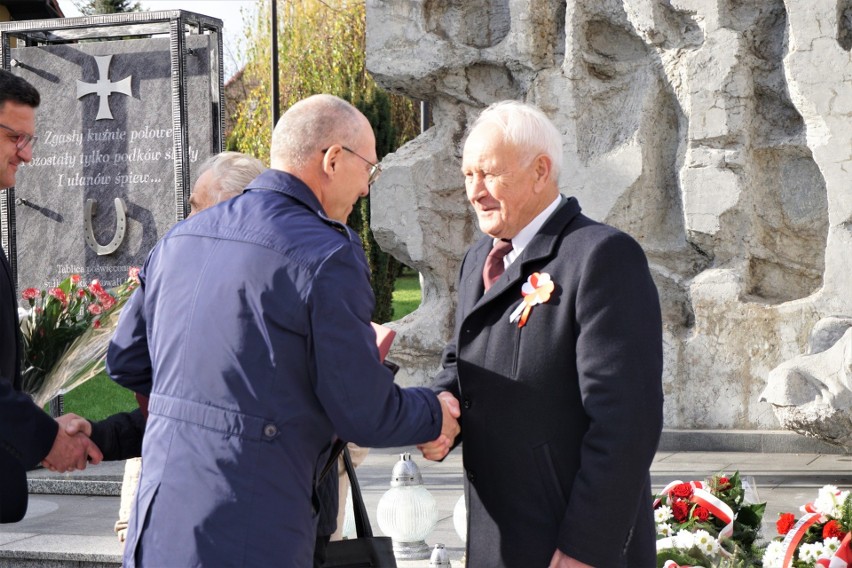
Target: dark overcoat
pixel 561 417
pixel 26 431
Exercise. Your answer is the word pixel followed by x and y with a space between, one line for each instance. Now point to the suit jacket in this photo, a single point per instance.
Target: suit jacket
pixel 560 418
pixel 26 431
pixel 251 332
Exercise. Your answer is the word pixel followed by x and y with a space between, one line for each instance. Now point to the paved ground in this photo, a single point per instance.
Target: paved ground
pixel 62 530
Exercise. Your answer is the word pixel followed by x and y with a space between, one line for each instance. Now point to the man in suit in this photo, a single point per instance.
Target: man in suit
pixel 27 435
pixel 250 333
pixel 557 363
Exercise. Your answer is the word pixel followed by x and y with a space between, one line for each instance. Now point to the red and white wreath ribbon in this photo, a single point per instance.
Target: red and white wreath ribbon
pixel 536 290
pixel 794 536
pixel 713 504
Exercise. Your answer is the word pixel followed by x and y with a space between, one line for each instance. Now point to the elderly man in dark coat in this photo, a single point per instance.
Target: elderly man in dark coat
pixel 251 333
pixel 557 363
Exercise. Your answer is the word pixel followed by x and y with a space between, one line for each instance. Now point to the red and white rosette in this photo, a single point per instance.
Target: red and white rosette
pixel 536 290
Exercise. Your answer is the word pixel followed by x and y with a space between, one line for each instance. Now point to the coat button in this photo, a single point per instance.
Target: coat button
pixel 471 476
pixel 467 403
pixel 270 431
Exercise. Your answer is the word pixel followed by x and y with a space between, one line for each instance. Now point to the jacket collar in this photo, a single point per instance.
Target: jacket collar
pixel 292 186
pixel 288 184
pixel 543 245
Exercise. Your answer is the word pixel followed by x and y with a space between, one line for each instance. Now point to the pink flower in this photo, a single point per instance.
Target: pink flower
pixel 96 324
pixel 75 279
pixel 96 288
pixel 30 294
pixel 94 309
pixel 81 293
pixel 133 273
pixel 59 295
pixel 106 301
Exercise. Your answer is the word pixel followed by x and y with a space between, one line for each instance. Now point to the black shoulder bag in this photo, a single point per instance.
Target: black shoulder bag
pixel 366 550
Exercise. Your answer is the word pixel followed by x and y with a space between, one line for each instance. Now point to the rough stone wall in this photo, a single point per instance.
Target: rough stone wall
pixel 716 132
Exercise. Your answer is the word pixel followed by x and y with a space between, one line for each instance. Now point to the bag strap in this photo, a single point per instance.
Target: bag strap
pixel 336 449
pixel 362 520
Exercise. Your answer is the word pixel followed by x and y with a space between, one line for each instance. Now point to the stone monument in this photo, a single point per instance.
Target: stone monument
pixel 131 105
pixel 716 133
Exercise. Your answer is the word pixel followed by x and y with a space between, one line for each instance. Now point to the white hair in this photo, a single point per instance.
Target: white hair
pixel 527 128
pixel 232 172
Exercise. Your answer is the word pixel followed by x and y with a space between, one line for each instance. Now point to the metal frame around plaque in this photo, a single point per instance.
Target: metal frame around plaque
pixel 177 25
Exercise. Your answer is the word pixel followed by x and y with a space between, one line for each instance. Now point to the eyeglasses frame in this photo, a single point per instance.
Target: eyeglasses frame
pixel 375 169
pixel 23 139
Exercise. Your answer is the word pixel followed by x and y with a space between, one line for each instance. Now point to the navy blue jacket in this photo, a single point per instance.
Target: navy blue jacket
pixel 251 333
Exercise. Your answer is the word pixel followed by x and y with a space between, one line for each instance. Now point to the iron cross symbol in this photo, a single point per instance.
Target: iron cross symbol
pixel 103 88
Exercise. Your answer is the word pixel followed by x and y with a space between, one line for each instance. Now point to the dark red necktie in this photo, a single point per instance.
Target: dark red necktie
pixel 494 267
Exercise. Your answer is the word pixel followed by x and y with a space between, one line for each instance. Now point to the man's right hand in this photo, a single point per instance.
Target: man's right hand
pixel 438 449
pixel 71 452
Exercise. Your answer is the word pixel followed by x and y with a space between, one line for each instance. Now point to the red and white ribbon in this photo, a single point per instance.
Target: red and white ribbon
pixel 794 537
pixel 843 556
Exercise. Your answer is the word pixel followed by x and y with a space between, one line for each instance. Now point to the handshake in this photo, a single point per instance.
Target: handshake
pixel 438 449
pixel 72 449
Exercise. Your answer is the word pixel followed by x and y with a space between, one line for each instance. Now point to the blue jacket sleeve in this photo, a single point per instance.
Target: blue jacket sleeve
pixel 128 362
pixel 355 389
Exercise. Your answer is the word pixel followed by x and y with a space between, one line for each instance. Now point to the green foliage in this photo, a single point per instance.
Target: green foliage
pixel 322 49
pixel 406 294
pixel 92 7
pixel 98 398
pixel 845 518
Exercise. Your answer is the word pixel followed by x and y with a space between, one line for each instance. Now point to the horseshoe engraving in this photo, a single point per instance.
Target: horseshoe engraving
pixel 120 228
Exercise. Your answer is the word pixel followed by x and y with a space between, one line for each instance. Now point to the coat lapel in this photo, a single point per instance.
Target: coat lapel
pixel 542 246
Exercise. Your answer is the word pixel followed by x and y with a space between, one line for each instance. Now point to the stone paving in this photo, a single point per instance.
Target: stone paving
pixel 76 530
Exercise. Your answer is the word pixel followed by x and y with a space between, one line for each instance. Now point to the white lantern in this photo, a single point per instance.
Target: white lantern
pixel 407 512
pixel 460 519
pixel 440 558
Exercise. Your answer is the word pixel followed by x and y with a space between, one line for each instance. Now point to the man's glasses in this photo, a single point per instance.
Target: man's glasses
pixel 375 169
pixel 22 139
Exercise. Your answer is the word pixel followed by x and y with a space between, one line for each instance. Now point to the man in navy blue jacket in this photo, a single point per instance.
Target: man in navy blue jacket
pixel 27 435
pixel 251 335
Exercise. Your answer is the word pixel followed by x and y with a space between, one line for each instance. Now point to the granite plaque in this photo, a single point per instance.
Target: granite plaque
pixel 100 190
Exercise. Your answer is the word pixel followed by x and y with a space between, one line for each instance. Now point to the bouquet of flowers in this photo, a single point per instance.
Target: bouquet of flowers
pixel 822 536
pixel 66 331
pixel 707 524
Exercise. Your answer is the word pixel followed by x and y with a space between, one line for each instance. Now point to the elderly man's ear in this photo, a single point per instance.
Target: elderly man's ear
pixel 543 169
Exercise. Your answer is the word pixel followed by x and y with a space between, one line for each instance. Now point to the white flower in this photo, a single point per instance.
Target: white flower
pixel 829 500
pixel 684 540
pixel 705 542
pixel 662 514
pixel 830 545
pixel 810 552
pixel 664 529
pixel 774 555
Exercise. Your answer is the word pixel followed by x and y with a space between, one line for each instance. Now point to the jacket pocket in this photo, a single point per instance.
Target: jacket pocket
pixel 517 351
pixel 549 476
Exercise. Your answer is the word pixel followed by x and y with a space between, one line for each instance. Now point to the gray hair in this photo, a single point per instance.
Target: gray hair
pixel 312 125
pixel 232 172
pixel 526 128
